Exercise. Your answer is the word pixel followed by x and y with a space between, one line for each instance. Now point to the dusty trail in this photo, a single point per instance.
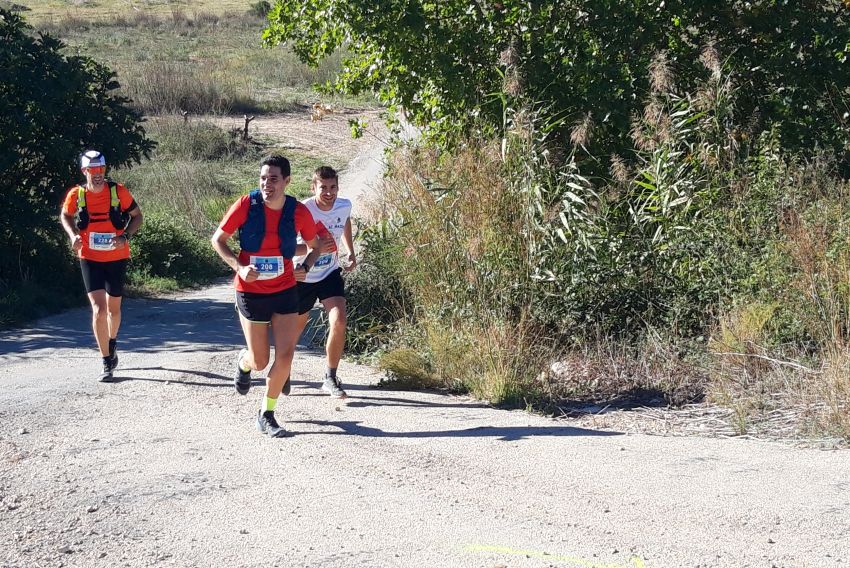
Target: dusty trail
pixel 165 468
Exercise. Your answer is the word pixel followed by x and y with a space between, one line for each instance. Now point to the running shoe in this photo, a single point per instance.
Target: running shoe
pixel 267 424
pixel 106 375
pixel 333 387
pixel 242 382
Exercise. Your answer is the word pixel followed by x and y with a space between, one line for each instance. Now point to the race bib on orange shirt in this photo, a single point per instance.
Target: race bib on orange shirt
pixel 101 241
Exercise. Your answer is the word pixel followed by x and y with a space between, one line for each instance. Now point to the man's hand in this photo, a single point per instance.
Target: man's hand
pixel 327 243
pixel 300 273
pixel 248 273
pixel 76 243
pixel 352 262
pixel 120 241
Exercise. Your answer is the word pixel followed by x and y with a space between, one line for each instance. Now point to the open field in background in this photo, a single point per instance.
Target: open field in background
pixel 195 61
pixel 39 11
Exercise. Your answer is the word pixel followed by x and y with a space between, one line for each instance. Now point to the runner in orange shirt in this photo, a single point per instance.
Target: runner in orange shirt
pixel 268 221
pixel 100 218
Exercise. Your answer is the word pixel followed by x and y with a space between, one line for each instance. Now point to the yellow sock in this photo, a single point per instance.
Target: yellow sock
pixel 270 403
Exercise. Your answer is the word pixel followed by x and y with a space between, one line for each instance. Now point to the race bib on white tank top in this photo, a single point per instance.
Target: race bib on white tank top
pixel 332 222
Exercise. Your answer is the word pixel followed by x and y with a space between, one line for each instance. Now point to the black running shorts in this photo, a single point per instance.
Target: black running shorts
pixel 331 287
pixel 107 276
pixel 259 308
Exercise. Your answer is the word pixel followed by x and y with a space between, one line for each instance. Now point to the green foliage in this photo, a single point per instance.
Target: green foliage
pixel 52 108
pixel 583 60
pixel 376 297
pixel 166 247
pixel 43 284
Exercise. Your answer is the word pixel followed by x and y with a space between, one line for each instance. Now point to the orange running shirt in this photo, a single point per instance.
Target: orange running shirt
pixel 270 247
pixel 98 205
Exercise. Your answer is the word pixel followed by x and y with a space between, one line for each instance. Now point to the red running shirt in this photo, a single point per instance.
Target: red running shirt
pixel 270 247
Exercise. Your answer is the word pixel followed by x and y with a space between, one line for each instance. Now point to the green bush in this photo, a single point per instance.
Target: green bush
pixel 166 247
pixel 375 295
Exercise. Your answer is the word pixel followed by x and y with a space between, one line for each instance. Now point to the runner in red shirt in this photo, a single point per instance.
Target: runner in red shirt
pixel 100 218
pixel 265 282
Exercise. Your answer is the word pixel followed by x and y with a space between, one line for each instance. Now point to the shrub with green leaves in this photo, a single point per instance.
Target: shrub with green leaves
pixel 583 61
pixel 166 247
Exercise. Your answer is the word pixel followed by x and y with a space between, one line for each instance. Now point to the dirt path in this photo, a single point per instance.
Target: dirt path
pixel 329 137
pixel 165 468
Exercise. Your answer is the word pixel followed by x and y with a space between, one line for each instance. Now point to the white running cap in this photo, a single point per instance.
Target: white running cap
pixel 92 158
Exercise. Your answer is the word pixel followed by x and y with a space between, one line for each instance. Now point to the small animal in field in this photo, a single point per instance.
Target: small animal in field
pixel 319 111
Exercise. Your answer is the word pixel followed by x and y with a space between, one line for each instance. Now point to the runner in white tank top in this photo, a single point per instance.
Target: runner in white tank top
pixel 323 280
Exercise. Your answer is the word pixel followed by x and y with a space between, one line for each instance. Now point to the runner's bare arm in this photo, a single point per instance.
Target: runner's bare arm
pixel 325 245
pixel 71 229
pixel 348 240
pixel 315 249
pixel 219 243
pixel 136 219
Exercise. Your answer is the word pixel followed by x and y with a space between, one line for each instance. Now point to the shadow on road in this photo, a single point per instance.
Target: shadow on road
pixel 121 379
pixel 205 374
pixel 370 401
pixel 503 433
pixel 147 326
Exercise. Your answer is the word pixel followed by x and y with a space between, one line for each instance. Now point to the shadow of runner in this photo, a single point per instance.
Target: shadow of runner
pixel 504 433
pixel 122 379
pixel 205 374
pixel 147 326
pixel 370 401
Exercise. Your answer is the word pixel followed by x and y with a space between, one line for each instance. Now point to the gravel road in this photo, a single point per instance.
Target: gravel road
pixel 165 468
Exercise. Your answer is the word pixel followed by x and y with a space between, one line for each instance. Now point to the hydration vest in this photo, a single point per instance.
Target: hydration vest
pixel 251 233
pixel 117 217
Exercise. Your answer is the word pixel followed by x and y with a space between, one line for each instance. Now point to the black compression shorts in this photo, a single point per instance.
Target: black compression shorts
pixel 259 308
pixel 107 276
pixel 331 287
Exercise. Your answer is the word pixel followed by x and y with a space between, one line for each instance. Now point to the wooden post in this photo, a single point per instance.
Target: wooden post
pixel 248 119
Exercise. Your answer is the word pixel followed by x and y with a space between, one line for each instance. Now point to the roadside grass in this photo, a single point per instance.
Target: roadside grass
pixel 200 62
pixel 39 11
pixel 31 299
pixel 454 257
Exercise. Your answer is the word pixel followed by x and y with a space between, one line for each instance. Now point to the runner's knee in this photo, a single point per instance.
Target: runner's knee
pixel 286 354
pixel 99 310
pixel 338 319
pixel 260 361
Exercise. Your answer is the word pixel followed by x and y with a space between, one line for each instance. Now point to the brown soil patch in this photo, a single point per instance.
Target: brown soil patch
pixel 328 138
